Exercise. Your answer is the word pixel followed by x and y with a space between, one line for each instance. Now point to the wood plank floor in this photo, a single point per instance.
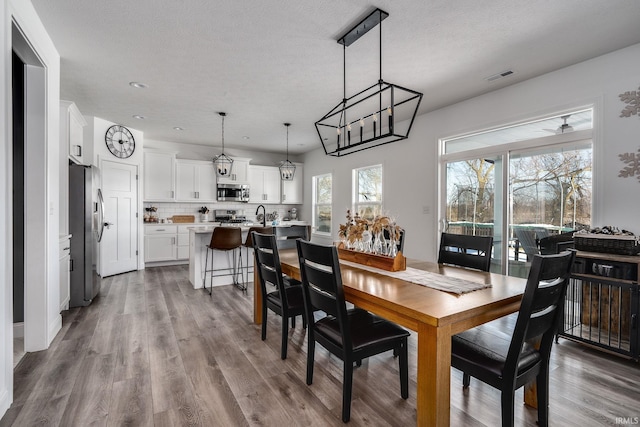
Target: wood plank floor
pixel 153 351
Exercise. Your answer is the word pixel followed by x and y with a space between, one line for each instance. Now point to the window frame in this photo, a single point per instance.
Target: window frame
pixel 315 205
pixel 355 203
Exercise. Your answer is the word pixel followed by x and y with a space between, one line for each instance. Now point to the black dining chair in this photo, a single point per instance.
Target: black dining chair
pixel 287 300
pixel 507 360
pixel 353 334
pixel 466 251
pixel 286 236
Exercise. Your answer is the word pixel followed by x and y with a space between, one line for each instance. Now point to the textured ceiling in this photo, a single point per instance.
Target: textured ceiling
pixel 270 62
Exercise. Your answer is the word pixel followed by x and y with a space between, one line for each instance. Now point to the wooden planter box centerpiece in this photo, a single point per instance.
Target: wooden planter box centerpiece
pixel 399 263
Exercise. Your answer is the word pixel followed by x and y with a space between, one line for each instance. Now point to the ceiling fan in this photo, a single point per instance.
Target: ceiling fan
pixel 564 127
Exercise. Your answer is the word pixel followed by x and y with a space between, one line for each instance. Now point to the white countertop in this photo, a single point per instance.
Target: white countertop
pixel 208 227
pixel 217 224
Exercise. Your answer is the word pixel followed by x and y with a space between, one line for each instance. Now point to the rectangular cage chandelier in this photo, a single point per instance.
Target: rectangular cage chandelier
pixel 380 114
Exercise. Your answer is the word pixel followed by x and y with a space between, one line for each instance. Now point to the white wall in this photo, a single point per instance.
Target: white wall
pixel 410 167
pixel 46 320
pixel 6 291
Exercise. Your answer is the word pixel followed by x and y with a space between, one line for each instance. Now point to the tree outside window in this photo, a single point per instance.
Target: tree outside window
pixel 368 191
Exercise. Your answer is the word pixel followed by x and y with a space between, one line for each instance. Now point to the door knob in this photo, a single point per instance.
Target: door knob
pixel 108 224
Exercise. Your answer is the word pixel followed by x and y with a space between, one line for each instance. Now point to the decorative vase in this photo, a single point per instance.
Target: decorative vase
pixel 204 217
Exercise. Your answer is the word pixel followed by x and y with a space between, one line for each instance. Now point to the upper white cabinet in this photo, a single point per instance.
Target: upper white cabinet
pixel 264 184
pixel 71 132
pixel 292 193
pixel 195 181
pixel 159 179
pixel 239 172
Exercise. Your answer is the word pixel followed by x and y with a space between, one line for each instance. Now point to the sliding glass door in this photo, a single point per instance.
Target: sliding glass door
pixel 550 194
pixel 520 192
pixel 474 202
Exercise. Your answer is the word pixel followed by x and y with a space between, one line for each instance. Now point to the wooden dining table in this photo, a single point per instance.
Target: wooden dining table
pixel 435 316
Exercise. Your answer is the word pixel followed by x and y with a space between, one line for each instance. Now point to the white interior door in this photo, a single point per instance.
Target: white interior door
pixel 119 244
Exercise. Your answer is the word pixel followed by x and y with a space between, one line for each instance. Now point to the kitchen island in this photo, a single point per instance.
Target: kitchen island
pixel 199 238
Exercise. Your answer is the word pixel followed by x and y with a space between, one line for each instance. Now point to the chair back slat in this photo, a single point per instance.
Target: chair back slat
pixel 268 260
pixel 539 310
pixel 322 289
pixel 466 251
pixel 322 284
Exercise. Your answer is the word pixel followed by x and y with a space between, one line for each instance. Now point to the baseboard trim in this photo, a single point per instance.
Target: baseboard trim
pixel 5 403
pixel 54 328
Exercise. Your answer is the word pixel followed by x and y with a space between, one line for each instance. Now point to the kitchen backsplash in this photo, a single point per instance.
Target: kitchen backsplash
pixel 167 210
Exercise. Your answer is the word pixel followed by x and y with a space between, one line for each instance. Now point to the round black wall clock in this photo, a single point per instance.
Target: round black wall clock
pixel 120 141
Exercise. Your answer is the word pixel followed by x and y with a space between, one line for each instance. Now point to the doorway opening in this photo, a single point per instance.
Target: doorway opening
pixel 30 209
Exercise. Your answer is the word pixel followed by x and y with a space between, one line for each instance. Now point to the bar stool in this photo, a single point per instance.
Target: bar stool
pixel 248 244
pixel 224 239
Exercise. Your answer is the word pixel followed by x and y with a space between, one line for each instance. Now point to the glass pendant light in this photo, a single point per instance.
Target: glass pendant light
pixel 222 161
pixel 287 169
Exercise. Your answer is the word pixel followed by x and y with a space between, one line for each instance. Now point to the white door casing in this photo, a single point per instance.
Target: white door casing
pixel 119 245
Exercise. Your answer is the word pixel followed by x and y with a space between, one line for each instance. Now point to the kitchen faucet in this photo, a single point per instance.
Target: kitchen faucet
pixel 264 214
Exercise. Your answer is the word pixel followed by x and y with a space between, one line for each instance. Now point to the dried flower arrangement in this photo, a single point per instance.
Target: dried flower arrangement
pixel 369 235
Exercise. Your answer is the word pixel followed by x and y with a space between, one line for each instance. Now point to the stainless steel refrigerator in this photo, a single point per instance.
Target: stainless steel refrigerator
pixel 85 284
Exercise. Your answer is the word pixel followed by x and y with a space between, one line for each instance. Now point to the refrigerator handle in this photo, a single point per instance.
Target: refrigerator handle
pixel 100 215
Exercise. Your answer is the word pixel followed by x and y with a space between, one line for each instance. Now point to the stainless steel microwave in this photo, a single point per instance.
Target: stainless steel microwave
pixel 233 192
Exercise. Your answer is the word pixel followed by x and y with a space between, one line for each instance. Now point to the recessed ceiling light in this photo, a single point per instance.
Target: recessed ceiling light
pixel 245 137
pixel 139 117
pixel 138 85
pixel 177 128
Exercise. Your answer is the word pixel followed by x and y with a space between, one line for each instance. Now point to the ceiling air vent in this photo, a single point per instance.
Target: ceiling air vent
pixel 499 75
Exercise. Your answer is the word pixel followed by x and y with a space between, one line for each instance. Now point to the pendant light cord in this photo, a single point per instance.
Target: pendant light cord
pixel 222 114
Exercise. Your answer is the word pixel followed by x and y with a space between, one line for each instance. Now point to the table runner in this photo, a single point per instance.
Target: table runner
pixel 426 278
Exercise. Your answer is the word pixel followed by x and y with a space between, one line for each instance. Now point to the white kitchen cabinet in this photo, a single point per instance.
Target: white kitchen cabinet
pixel 159 176
pixel 72 133
pixel 65 264
pixel 160 243
pixel 195 181
pixel 239 172
pixel 264 184
pixel 292 193
pixel 183 242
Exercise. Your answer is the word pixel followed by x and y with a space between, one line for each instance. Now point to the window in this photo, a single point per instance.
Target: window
pixel 367 197
pixel 519 184
pixel 321 221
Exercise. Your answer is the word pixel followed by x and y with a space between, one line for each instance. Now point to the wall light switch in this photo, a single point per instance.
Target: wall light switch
pixel 426 210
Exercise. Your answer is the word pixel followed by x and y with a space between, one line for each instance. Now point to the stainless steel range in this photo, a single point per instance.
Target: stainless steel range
pixel 229 216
